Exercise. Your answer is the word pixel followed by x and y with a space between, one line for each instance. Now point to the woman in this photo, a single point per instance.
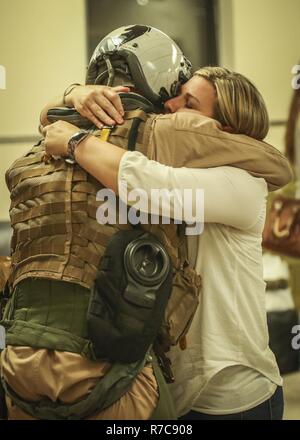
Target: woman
pixel 227 370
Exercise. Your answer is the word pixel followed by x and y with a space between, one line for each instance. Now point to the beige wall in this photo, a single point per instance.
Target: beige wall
pixel 43 49
pixel 260 38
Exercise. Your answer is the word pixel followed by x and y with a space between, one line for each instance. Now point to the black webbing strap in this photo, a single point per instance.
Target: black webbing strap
pixel 133 133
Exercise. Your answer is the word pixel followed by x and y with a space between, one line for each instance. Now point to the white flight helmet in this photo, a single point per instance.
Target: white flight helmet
pixel 151 59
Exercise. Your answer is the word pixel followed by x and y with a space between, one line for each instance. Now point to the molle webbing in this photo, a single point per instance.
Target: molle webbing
pixel 53 212
pixel 54 219
pixel 48 314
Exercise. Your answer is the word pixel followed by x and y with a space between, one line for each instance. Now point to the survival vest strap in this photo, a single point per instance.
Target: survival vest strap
pixel 129 129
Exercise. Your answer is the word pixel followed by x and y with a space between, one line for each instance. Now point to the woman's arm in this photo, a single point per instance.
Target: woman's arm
pixel 225 194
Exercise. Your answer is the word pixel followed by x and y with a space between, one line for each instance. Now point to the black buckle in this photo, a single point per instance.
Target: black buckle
pixel 164 363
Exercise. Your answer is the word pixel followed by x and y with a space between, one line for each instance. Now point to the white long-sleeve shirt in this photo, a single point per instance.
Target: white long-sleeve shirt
pixel 228 366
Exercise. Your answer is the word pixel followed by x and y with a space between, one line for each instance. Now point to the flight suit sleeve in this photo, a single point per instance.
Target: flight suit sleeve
pixel 188 139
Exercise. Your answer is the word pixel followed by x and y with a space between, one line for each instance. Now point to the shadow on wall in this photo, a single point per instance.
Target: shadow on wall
pixel 192 23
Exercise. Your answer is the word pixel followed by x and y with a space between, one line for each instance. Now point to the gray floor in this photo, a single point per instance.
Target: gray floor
pixel 291 388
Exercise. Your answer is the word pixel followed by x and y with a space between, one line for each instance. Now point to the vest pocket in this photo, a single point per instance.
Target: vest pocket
pixel 181 307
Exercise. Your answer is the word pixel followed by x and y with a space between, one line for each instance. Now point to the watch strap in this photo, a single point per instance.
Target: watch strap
pixel 74 141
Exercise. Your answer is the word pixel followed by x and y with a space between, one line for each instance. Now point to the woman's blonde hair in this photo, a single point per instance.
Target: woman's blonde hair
pixel 239 104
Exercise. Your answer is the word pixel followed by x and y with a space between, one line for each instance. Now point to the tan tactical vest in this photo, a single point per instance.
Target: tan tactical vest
pixel 53 215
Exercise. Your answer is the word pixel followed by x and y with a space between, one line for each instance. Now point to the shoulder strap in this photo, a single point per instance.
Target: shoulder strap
pixel 129 130
pixel 137 116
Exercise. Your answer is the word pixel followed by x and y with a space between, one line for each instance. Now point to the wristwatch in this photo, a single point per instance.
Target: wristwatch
pixel 73 142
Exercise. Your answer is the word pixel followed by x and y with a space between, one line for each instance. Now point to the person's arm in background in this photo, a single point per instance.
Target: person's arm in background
pixel 231 195
pixel 100 104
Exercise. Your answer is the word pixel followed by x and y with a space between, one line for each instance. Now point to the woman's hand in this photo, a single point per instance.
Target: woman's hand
pixel 57 136
pixel 100 104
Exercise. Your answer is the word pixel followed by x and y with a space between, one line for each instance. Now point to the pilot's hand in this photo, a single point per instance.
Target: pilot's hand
pixel 100 104
pixel 57 136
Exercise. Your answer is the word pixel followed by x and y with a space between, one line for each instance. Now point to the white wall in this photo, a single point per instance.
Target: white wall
pixel 43 49
pixel 261 39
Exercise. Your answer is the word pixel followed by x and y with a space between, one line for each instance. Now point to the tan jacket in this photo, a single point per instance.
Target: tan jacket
pixel 188 139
